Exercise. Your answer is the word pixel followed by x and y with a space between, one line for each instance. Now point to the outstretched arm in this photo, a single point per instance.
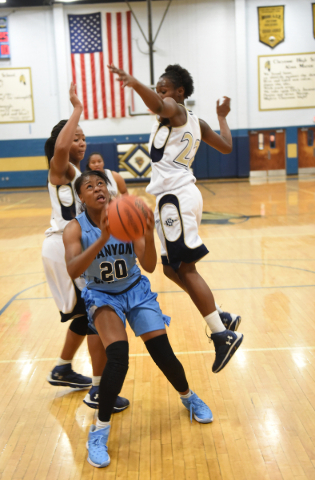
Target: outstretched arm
pixel 76 260
pixel 166 108
pixel 223 142
pixel 121 184
pixel 145 247
pixel 60 161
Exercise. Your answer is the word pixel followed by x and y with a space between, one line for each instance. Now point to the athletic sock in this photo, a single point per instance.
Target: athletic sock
pixel 99 425
pixel 60 362
pixel 189 394
pixel 96 381
pixel 218 307
pixel 214 322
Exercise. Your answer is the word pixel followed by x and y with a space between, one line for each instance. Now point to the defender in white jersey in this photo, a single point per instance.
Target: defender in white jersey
pixel 117 184
pixel 174 142
pixel 64 150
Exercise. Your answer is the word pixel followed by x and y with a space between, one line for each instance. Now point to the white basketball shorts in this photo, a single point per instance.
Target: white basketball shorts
pixel 177 218
pixel 66 292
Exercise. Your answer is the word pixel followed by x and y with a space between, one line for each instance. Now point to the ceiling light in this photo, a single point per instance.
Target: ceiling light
pixel 3 1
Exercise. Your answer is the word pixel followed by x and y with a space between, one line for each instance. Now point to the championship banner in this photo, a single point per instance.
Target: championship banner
pixel 4 38
pixel 313 10
pixel 271 25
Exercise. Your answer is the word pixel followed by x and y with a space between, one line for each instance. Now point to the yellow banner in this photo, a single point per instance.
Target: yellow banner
pixel 313 9
pixel 271 25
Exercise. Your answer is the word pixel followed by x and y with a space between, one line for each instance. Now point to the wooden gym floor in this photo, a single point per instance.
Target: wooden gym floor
pixel 261 265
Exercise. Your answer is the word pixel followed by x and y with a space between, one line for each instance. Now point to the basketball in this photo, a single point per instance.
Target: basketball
pixel 127 217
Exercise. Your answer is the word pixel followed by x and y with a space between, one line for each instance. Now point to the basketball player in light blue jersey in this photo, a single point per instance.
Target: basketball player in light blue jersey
pixel 116 291
pixel 174 141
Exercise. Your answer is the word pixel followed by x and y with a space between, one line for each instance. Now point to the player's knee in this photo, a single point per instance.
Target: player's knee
pixel 168 271
pixel 118 358
pixel 186 269
pixel 160 350
pixel 79 325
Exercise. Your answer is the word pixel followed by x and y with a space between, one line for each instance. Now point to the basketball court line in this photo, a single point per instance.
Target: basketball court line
pixel 7 207
pixel 214 289
pixel 193 352
pixel 181 291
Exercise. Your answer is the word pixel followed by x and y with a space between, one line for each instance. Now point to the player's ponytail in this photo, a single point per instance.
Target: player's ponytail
pixel 180 77
pixel 51 142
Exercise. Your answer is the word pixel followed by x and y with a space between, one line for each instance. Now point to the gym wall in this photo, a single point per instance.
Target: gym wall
pixel 217 41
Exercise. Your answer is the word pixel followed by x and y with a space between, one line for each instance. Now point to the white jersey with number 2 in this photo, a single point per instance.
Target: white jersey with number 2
pixel 172 151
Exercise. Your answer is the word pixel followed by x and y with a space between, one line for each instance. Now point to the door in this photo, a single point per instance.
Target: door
pixel 267 152
pixel 306 150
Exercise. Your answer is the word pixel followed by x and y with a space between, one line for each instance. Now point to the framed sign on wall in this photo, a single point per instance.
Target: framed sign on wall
pixel 4 39
pixel 286 81
pixel 16 95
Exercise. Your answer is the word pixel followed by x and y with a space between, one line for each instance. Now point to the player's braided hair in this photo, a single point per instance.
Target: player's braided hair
pixel 180 77
pixel 50 143
pixel 88 168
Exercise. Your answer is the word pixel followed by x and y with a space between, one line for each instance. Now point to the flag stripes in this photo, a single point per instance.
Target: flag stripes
pixel 98 40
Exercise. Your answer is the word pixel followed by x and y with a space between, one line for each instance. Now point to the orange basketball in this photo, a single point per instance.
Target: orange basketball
pixel 127 218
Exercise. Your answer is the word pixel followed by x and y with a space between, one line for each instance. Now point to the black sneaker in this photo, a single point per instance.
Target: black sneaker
pixel 92 400
pixel 230 320
pixel 64 376
pixel 225 343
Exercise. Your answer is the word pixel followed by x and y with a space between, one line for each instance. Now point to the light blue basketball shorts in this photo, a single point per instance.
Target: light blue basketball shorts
pixel 138 305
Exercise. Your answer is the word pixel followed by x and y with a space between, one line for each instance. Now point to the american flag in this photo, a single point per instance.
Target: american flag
pixel 98 40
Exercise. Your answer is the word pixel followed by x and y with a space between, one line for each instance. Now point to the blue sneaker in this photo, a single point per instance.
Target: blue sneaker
pixel 92 400
pixel 196 406
pixel 230 320
pixel 64 376
pixel 225 343
pixel 96 445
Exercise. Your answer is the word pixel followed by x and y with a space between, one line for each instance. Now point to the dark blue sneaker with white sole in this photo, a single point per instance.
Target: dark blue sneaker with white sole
pixel 92 400
pixel 225 344
pixel 64 376
pixel 198 408
pixel 230 320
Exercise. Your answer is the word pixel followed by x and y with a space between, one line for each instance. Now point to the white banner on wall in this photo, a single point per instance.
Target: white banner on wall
pixel 286 81
pixel 16 96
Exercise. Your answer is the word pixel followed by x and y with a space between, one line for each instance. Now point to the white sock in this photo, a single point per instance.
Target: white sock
pixel 96 381
pixel 60 361
pixel 99 425
pixel 189 394
pixel 214 322
pixel 218 308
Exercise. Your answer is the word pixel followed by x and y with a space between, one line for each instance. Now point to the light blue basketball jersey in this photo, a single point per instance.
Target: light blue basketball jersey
pixel 114 269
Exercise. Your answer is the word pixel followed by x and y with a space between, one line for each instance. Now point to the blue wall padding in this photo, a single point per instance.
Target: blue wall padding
pixel 22 148
pixel 292 163
pixel 108 152
pixel 242 154
pixel 35 178
pixel 208 163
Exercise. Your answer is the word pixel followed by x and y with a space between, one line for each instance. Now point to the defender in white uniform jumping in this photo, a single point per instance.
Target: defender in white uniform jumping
pixel 174 141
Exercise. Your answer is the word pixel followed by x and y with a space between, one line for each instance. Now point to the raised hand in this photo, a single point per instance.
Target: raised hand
pixel 126 79
pixel 224 108
pixel 73 96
